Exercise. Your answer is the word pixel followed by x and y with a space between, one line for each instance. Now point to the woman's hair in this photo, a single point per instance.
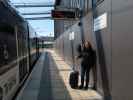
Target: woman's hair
pixel 80 47
pixel 88 43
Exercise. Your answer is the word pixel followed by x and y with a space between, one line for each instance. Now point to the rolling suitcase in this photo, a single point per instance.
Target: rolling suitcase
pixel 73 79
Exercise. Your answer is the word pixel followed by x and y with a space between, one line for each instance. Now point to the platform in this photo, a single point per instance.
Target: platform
pixel 49 80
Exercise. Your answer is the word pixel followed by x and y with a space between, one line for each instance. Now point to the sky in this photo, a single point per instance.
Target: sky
pixel 42 27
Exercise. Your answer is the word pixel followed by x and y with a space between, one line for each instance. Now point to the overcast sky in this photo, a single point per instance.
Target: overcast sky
pixel 42 27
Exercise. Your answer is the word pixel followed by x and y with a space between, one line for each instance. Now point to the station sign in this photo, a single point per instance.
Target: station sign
pixel 100 22
pixel 57 14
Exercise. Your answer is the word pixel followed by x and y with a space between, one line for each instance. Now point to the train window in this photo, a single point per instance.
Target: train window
pixel 96 2
pixel 7 44
pixel 6 28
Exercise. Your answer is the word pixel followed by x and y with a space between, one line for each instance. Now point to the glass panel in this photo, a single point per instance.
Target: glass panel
pixel 96 2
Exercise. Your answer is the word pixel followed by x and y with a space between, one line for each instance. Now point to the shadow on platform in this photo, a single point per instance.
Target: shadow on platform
pixel 52 86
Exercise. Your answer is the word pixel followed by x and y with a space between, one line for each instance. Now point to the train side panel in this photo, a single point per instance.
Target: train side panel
pixel 8 55
pixel 14 51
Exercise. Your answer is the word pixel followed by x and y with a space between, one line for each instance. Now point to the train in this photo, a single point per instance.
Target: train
pixel 19 50
pixel 108 25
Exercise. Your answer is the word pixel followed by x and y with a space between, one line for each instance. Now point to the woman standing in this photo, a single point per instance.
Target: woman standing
pixel 87 55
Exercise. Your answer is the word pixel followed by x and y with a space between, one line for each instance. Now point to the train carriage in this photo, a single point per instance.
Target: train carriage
pixel 15 50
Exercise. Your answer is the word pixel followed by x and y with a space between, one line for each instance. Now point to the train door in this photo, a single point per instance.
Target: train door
pixel 102 33
pixel 22 53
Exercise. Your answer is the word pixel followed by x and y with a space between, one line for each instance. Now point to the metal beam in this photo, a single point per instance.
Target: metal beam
pixel 38 18
pixel 33 5
pixel 36 13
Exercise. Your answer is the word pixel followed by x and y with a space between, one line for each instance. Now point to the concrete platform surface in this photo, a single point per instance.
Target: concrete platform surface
pixel 49 80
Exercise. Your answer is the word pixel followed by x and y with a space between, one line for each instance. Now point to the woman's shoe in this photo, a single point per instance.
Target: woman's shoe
pixel 94 87
pixel 86 87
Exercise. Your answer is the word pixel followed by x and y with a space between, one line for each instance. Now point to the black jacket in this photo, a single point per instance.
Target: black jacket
pixel 88 56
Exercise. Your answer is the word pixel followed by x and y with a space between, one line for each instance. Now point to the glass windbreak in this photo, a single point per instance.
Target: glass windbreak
pixel 96 2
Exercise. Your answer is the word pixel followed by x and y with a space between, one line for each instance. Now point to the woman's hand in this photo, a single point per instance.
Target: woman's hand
pixel 76 57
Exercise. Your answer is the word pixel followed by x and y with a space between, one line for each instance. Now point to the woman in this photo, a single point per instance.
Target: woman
pixel 86 53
